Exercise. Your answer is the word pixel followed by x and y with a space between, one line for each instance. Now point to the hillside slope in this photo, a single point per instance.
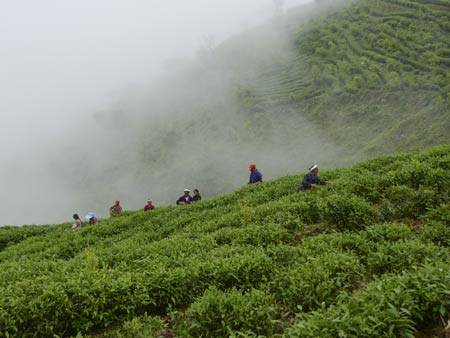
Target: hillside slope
pixel 365 256
pixel 374 75
pixel 324 85
pixel 332 86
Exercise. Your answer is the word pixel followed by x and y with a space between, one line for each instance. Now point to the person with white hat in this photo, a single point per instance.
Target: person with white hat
pixel 311 180
pixel 149 205
pixel 186 198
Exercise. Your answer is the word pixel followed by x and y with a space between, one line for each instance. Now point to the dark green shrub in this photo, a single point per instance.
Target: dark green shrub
pixel 308 209
pixel 425 199
pixel 390 232
pixel 402 201
pixel 402 256
pixel 366 184
pixel 230 219
pixel 394 306
pixel 63 282
pixel 331 243
pixel 316 281
pixel 294 210
pixel 226 235
pixel 284 255
pixel 415 174
pixel 398 202
pixel 220 314
pixel 440 214
pixel 437 232
pixel 254 234
pixel 140 327
pixel 13 235
pixel 348 212
pixel 243 267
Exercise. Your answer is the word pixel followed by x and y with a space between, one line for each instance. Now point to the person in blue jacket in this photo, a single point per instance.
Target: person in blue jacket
pixel 186 198
pixel 255 175
pixel 311 180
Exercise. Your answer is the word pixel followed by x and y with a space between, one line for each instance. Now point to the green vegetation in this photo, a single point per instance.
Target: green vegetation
pixel 374 76
pixel 329 85
pixel 366 256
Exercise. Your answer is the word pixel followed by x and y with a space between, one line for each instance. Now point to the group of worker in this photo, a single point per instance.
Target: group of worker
pixel 92 219
pixel 116 208
pixel 310 181
pixel 187 198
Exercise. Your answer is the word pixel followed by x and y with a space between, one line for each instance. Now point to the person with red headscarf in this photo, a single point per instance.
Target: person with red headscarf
pixel 116 208
pixel 255 175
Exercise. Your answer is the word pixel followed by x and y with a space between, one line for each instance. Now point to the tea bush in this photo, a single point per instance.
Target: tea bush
pixel 394 306
pixel 347 242
pixel 440 214
pixel 246 264
pixel 220 314
pixel 388 232
pixel 244 267
pixel 402 255
pixel 256 235
pixel 348 212
pixel 437 232
pixel 437 226
pixel 317 281
pixel 141 327
pixel 14 235
pixel 403 201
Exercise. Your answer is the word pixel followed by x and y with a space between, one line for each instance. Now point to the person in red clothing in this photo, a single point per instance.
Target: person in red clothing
pixel 149 205
pixel 116 208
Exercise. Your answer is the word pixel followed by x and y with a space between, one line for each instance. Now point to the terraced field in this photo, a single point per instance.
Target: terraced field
pixel 375 73
pixel 335 87
pixel 365 256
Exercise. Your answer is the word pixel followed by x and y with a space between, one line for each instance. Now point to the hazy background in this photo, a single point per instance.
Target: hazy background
pixel 95 94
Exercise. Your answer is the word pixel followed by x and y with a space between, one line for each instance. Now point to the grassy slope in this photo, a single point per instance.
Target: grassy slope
pixel 265 260
pixel 374 76
pixel 368 79
pixel 365 256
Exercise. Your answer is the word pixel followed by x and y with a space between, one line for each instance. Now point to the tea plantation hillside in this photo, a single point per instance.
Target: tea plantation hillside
pixel 376 72
pixel 365 256
pixel 332 85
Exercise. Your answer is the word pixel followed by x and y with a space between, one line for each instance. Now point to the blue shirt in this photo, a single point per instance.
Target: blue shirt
pixel 308 180
pixel 255 176
pixel 185 199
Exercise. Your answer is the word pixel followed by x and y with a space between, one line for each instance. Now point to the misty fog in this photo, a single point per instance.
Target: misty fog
pixel 104 100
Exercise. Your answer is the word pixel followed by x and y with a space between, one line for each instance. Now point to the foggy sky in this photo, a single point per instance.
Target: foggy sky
pixel 60 61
